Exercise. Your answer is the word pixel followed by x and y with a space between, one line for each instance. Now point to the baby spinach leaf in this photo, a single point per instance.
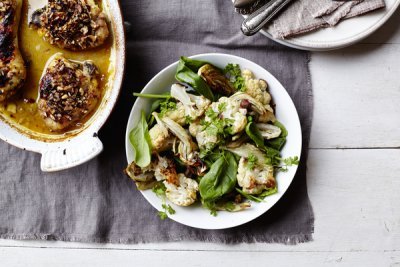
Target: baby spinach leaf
pixel 193 64
pixel 249 196
pixel 255 135
pixel 268 192
pixel 277 143
pixel 187 73
pixel 141 143
pixel 221 179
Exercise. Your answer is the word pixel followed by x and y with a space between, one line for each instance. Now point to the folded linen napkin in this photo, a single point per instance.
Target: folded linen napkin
pixel 309 15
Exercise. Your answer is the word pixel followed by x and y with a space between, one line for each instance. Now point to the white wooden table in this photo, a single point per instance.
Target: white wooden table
pixel 353 179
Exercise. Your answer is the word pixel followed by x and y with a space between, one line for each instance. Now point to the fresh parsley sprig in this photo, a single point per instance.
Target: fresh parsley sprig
pixel 234 74
pixel 159 189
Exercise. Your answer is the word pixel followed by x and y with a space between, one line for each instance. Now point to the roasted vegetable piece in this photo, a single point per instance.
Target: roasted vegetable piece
pixel 186 148
pixel 256 88
pixel 247 150
pixel 139 174
pixel 184 193
pixel 265 113
pixel 194 106
pixel 216 80
pixel 269 131
pixel 255 177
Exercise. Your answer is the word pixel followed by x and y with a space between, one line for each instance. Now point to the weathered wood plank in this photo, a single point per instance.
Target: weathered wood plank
pixel 357 93
pixel 75 257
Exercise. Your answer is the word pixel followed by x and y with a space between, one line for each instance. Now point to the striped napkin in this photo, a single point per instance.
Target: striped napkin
pixel 309 15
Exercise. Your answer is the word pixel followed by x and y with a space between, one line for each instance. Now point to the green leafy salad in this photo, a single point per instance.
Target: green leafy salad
pixel 212 139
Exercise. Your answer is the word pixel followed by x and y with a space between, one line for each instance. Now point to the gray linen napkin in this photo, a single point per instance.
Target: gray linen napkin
pixel 96 202
pixel 309 15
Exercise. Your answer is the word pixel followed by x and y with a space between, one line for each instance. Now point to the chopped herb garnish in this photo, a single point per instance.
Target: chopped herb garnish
pixel 167 106
pixel 252 162
pixel 159 189
pixel 234 74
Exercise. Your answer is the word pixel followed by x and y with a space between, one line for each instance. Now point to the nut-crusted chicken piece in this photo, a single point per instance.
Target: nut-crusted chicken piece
pixel 68 91
pixel 12 67
pixel 71 24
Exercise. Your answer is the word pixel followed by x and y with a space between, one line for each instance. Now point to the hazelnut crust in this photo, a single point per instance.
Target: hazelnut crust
pixel 68 92
pixel 72 24
pixel 12 67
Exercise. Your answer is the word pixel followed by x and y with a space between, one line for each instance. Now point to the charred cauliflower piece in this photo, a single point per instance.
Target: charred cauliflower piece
pixel 256 88
pixel 165 170
pixel 184 193
pixel 232 111
pixel 255 178
pixel 160 169
pixel 226 115
pixel 193 106
pixel 68 91
pixel 71 24
pixel 177 114
pixel 12 66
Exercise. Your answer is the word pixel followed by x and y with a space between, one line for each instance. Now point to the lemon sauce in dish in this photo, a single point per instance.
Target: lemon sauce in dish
pixel 22 111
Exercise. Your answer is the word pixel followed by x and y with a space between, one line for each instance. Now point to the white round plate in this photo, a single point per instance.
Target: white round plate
pixel 344 34
pixel 196 216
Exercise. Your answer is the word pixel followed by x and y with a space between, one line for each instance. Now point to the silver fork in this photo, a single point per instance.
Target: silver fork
pixel 256 21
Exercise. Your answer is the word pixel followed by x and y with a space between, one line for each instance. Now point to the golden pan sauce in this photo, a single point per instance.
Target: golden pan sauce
pixel 23 109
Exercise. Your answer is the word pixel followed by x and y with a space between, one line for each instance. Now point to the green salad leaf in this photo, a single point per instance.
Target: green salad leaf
pixel 187 73
pixel 141 143
pixel 193 64
pixel 271 152
pixel 221 178
pixel 255 135
pixel 277 143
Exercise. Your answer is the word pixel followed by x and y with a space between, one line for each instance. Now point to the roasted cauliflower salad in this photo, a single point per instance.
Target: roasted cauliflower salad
pixel 212 139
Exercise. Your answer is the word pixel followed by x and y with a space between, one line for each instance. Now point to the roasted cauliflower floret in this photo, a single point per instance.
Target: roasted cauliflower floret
pixel 177 114
pixel 184 193
pixel 194 106
pixel 206 139
pixel 256 88
pixel 232 112
pixel 165 169
pixel 159 137
pixel 223 117
pixel 255 177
